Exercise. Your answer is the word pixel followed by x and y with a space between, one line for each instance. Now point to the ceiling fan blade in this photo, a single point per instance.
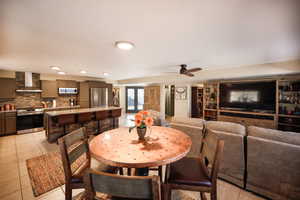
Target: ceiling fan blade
pixel 194 69
pixel 189 74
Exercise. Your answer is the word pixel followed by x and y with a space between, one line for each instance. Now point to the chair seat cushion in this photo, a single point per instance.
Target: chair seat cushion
pixel 189 171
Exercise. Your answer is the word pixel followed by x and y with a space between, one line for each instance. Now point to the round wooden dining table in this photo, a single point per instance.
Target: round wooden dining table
pixel 120 148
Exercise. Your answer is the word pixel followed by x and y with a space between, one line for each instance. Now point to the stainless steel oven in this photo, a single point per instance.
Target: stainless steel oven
pixel 30 121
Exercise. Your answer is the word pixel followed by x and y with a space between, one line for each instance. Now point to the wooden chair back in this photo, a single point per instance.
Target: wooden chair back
pixel 72 147
pixel 129 187
pixel 211 154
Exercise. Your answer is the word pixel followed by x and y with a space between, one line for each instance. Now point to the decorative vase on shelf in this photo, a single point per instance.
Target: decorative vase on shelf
pixel 141 133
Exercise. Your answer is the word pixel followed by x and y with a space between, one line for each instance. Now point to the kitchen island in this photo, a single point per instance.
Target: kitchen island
pixel 95 120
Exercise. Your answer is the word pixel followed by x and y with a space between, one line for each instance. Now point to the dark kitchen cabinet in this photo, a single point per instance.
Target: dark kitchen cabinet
pixel 84 95
pixel 67 84
pixel 49 89
pixel 10 123
pixel 2 124
pixel 8 88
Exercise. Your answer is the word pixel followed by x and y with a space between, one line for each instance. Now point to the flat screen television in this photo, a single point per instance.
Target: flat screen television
pixel 248 96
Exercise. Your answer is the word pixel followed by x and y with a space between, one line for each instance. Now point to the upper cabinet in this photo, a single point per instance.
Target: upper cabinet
pixel 49 89
pixel 67 84
pixel 8 88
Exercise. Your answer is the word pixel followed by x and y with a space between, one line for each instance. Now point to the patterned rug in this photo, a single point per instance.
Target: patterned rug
pixel 46 172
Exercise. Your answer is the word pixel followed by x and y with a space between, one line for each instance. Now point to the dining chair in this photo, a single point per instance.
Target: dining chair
pixel 76 160
pixel 197 173
pixel 121 187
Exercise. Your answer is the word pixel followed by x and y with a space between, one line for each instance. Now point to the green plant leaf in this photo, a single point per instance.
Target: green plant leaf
pixel 130 128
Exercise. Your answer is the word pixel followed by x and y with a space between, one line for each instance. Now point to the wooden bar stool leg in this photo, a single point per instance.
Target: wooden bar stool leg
pixel 98 132
pixel 68 189
pixel 160 173
pixel 202 196
pixel 121 171
pixel 129 171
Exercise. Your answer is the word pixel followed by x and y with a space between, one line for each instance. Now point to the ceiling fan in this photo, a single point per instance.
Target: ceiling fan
pixel 188 72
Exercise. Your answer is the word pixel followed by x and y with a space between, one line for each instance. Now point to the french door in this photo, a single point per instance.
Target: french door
pixel 134 99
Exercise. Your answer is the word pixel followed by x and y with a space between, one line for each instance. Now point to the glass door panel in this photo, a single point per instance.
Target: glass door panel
pixel 140 99
pixel 134 99
pixel 130 99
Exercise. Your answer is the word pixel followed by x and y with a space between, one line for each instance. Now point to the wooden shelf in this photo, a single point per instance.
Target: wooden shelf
pixel 292 116
pixel 208 109
pixel 295 104
pixel 250 113
pixel 287 124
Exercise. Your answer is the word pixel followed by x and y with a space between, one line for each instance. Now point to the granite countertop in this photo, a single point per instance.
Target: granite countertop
pixel 62 107
pixel 7 111
pixel 80 110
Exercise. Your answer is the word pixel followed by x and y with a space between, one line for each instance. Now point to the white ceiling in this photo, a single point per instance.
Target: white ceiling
pixel 80 34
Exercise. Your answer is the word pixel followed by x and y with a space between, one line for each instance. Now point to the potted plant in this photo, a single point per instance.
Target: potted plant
pixel 142 121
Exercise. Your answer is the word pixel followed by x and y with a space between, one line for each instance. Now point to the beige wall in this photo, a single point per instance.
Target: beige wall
pixel 182 107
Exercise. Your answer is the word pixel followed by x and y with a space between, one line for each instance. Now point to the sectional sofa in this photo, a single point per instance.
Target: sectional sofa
pixel 264 161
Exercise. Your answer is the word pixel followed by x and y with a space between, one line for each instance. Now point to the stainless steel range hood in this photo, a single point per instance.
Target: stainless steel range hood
pixel 25 80
pixel 30 91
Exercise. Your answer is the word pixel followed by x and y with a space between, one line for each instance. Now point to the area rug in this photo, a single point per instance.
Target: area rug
pixel 46 172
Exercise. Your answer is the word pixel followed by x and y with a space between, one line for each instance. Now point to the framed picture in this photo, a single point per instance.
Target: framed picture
pixel 181 93
pixel 116 96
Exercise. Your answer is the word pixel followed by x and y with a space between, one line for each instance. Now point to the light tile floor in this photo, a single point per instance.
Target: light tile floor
pixel 15 183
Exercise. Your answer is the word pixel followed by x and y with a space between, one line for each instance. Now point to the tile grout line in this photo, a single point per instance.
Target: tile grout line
pixel 19 170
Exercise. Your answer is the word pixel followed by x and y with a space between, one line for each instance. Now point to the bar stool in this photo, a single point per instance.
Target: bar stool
pixel 101 115
pixel 115 114
pixel 83 118
pixel 64 120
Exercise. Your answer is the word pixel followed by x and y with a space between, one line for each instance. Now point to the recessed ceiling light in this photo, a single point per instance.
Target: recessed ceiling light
pixel 83 72
pixel 105 74
pixel 61 73
pixel 55 68
pixel 124 45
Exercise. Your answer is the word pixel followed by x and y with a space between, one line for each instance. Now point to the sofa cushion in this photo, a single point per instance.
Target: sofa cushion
pixel 188 121
pixel 232 166
pixel 273 168
pixel 229 127
pixel 271 134
pixel 156 117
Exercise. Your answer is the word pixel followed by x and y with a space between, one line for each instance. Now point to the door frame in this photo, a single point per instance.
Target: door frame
pixel 135 98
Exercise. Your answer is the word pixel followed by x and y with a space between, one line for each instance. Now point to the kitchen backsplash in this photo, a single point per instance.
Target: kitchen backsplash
pixel 23 100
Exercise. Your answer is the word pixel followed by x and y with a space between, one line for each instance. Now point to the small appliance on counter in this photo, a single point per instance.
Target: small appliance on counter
pixel 7 107
pixel 72 102
pixel 53 103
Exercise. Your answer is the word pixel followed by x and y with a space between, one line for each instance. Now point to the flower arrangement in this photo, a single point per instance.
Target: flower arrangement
pixel 142 120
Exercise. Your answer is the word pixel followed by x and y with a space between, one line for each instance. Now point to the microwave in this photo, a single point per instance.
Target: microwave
pixel 67 90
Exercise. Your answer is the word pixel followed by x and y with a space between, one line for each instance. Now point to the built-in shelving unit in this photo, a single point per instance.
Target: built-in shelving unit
pixel 286 116
pixel 289 105
pixel 210 99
